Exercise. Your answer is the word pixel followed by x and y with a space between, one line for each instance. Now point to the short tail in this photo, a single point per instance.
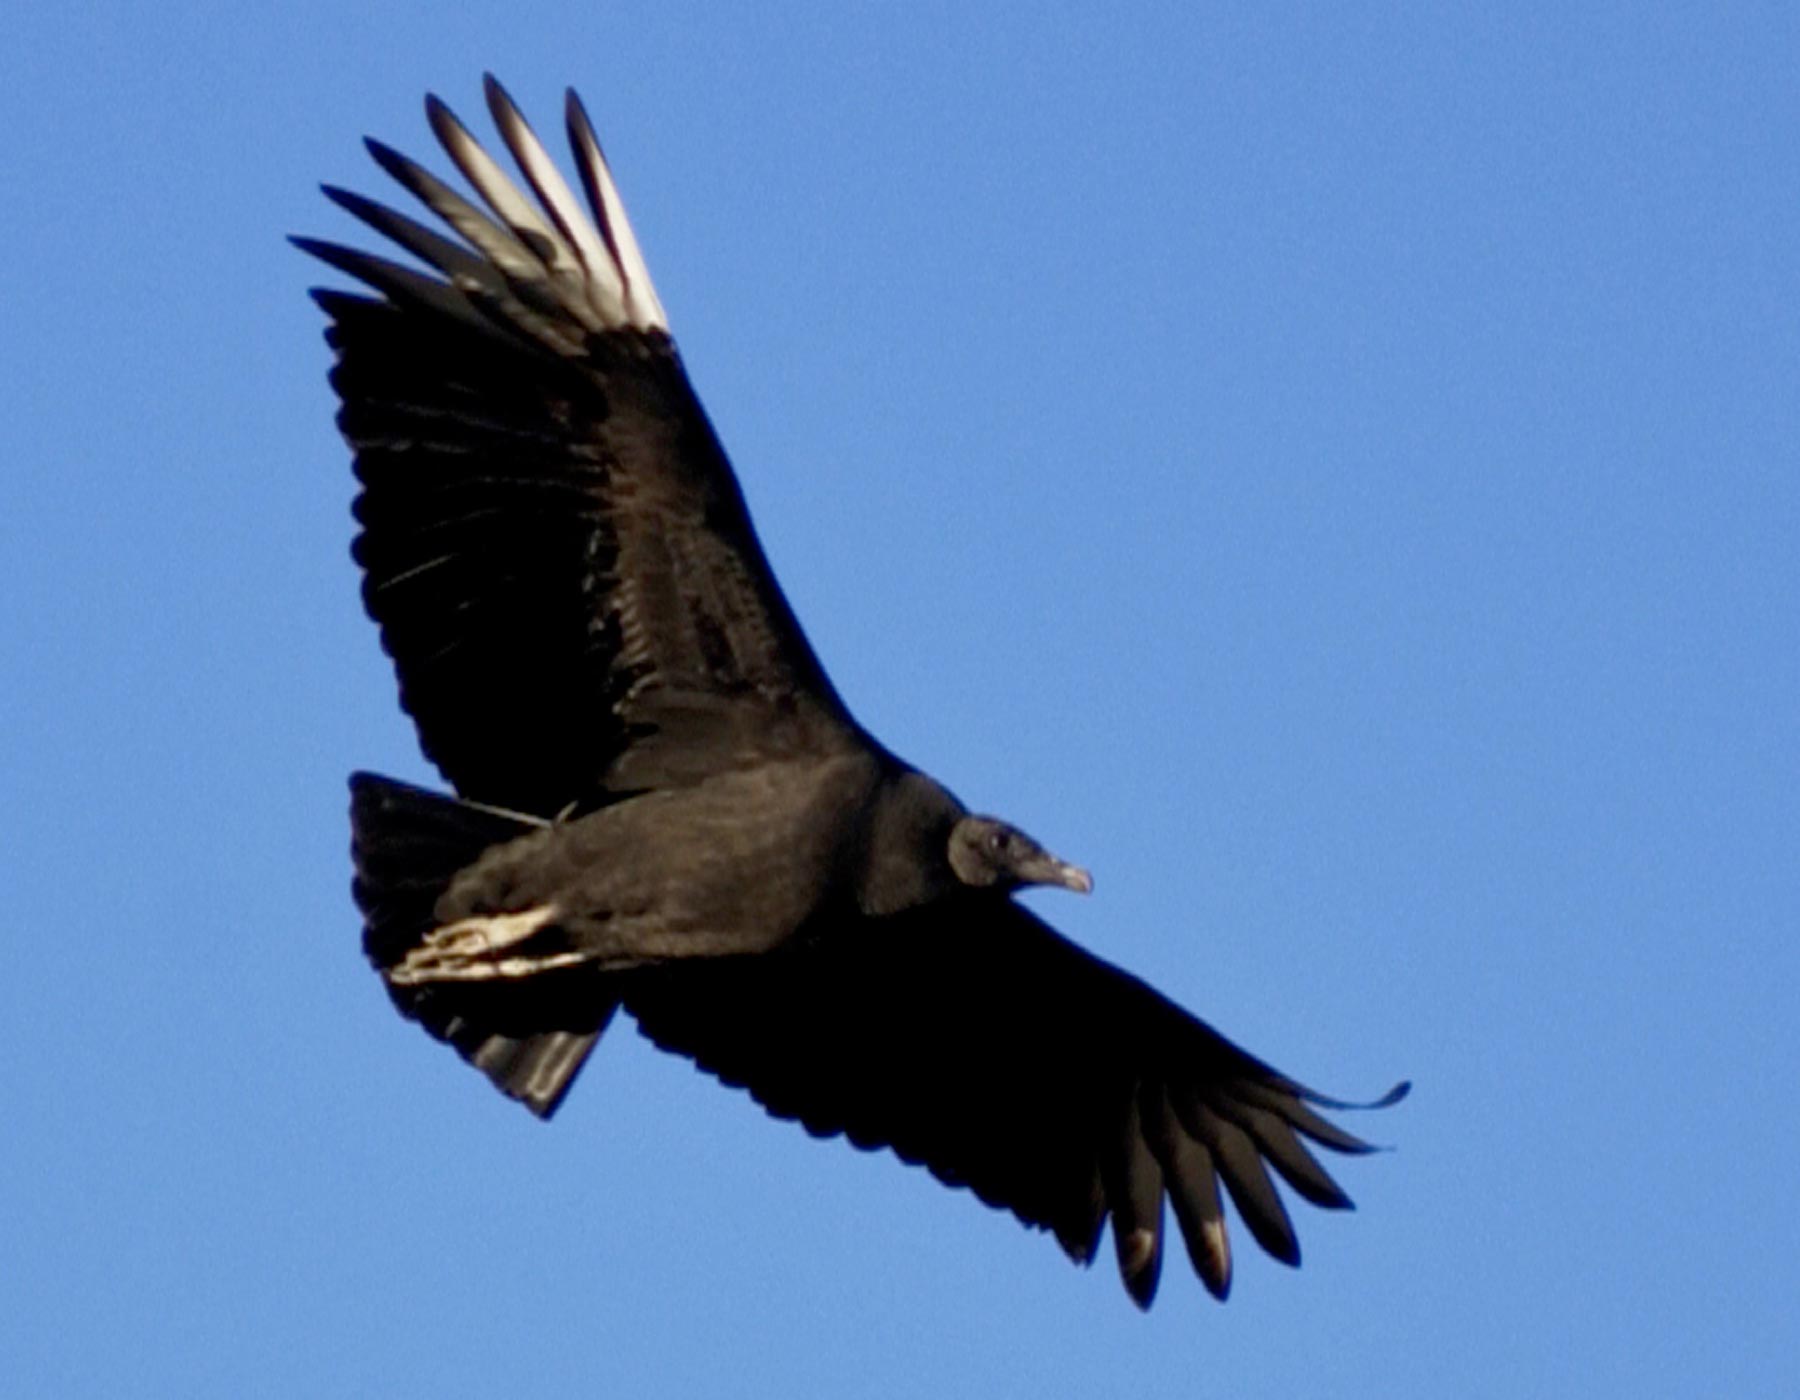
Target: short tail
pixel 529 1036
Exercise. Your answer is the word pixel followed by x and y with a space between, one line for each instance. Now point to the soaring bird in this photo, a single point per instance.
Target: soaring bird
pixel 662 804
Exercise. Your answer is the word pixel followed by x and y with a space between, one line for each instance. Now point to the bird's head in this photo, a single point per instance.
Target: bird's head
pixel 987 853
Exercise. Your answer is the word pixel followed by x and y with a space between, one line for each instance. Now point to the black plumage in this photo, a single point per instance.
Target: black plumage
pixel 663 805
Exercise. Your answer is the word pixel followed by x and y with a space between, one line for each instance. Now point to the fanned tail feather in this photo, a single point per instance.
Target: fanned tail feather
pixel 531 1036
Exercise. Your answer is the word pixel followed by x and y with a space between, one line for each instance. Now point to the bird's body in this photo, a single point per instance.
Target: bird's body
pixel 740 862
pixel 662 804
pixel 735 863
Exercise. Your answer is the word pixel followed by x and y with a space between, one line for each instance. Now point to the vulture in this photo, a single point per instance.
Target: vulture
pixel 661 802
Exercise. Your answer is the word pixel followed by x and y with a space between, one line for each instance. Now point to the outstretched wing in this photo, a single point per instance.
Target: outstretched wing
pixel 554 546
pixel 979 1042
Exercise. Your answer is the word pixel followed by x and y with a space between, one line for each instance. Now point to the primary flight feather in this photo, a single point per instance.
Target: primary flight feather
pixel 663 805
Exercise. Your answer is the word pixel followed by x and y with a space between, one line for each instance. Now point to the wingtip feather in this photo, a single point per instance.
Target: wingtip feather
pixel 609 215
pixel 1387 1100
pixel 1140 1264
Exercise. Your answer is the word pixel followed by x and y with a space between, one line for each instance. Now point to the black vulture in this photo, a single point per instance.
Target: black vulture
pixel 661 802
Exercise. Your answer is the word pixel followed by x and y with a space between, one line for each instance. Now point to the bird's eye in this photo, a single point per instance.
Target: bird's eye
pixel 999 842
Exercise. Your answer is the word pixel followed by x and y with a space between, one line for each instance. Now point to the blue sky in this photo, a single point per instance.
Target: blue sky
pixel 1332 474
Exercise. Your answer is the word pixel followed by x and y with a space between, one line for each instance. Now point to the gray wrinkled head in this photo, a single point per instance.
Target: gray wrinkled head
pixel 987 853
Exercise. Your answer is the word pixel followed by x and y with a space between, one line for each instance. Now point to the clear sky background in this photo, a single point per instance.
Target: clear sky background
pixel 1335 475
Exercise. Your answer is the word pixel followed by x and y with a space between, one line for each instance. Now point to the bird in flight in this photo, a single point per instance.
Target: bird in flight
pixel 663 805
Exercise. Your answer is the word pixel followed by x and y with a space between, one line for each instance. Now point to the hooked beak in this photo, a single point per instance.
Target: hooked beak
pixel 1048 870
pixel 1073 877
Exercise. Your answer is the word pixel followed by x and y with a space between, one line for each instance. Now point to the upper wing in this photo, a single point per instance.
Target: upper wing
pixel 981 1043
pixel 552 541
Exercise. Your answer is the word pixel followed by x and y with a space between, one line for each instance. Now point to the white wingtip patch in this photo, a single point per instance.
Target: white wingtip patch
pixel 1216 1245
pixel 604 279
pixel 589 257
pixel 642 303
pixel 493 185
